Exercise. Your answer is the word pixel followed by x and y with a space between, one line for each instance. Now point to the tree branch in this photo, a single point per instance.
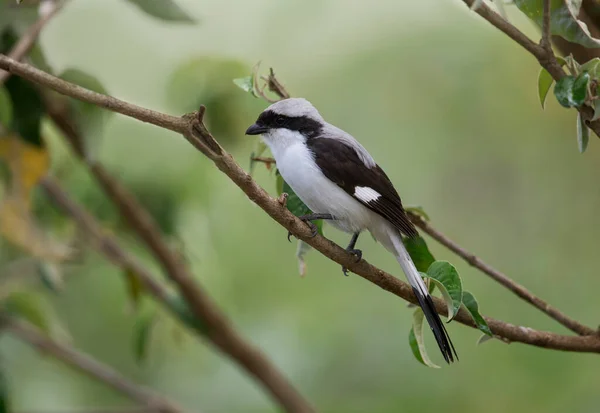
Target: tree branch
pixel 89 366
pixel 545 42
pixel 27 41
pixel 220 332
pixel 197 134
pixel 501 278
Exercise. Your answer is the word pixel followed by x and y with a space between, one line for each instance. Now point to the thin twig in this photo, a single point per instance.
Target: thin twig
pixel 274 209
pixel 545 42
pixel 513 286
pixel 89 366
pixel 263 159
pixel 275 86
pixel 27 41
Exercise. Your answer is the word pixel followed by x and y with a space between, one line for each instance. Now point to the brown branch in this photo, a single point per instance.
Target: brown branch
pixel 501 278
pixel 220 332
pixel 89 366
pixel 275 86
pixel 27 41
pixel 545 42
pixel 197 134
pixel 264 159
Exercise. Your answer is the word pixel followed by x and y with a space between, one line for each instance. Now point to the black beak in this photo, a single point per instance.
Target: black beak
pixel 256 130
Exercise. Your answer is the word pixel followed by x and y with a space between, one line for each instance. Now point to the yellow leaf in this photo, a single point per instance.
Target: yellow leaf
pixel 27 164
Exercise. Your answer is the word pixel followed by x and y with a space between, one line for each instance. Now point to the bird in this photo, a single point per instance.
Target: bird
pixel 340 182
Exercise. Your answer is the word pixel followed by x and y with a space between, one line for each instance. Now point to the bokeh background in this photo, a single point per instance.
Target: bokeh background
pixel 445 103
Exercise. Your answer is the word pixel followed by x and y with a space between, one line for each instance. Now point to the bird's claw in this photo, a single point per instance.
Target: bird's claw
pixel 313 228
pixel 357 254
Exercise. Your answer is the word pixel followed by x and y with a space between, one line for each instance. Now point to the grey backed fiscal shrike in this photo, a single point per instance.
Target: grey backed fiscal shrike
pixel 335 176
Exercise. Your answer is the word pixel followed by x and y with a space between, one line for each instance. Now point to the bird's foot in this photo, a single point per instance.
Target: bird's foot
pixel 307 220
pixel 357 254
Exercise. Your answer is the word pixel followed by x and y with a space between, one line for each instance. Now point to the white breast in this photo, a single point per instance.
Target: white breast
pixel 297 166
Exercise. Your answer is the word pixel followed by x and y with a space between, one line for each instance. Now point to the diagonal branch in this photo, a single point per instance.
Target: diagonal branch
pixel 198 135
pixel 501 278
pixel 27 41
pixel 89 366
pixel 219 330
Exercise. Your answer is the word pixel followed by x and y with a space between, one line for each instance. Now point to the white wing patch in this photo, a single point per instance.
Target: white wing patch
pixel 366 194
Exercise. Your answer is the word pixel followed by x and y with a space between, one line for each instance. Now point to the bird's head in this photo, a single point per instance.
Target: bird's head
pixel 294 114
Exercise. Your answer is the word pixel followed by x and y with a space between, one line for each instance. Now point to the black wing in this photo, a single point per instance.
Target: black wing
pixel 340 163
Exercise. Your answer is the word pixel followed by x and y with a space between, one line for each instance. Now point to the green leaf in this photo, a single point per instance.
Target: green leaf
pixel 472 307
pixel 246 84
pixel 545 81
pixel 449 283
pixel 6 109
pixel 419 252
pixel 483 338
pixel 416 340
pixel 583 134
pixel 563 19
pixel 31 307
pixel 89 118
pixel 142 334
pixel 134 288
pixel 580 88
pixel 278 183
pixel 592 67
pixel 163 9
pixel 418 210
pixel 571 91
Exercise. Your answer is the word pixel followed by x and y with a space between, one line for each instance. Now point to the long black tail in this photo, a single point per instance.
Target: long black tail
pixel 437 326
pixel 425 301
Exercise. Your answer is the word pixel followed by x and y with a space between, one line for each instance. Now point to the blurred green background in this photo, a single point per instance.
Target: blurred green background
pixel 444 102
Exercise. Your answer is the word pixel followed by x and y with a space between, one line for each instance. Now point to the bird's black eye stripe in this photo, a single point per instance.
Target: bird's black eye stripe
pixel 303 124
